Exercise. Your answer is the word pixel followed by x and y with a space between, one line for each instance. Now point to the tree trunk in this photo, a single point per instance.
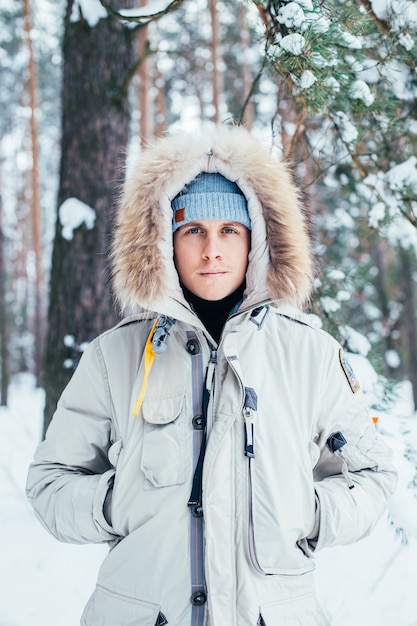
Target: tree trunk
pixel 34 201
pixel 410 330
pixel 94 139
pixel 161 109
pixel 144 86
pixel 4 351
pixel 215 56
pixel 379 255
pixel 249 112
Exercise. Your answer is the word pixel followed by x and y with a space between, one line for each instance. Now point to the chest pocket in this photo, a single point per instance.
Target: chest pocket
pixel 304 611
pixel 164 436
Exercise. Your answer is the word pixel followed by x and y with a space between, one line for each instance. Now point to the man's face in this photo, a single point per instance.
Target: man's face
pixel 211 257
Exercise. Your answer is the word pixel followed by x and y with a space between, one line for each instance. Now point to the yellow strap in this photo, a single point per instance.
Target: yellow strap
pixel 149 357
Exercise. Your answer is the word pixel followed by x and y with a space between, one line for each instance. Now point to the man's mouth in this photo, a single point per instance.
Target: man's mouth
pixel 212 273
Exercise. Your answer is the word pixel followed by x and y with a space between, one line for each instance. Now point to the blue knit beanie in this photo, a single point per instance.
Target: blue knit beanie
pixel 210 197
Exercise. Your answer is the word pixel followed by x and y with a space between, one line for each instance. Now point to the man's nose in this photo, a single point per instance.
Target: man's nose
pixel 211 248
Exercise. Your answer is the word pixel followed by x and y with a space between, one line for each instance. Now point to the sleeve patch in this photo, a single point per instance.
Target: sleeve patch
pixel 349 373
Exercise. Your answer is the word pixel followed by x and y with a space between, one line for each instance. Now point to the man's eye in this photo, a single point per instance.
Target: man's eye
pixel 229 230
pixel 194 231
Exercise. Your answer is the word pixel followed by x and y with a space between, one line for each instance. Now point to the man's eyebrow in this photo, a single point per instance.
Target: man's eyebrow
pixel 195 223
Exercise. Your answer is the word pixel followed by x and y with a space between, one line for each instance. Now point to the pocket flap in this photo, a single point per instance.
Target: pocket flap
pixel 112 609
pixel 302 611
pixel 162 410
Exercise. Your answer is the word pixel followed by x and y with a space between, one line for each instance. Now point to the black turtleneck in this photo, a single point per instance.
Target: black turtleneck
pixel 214 313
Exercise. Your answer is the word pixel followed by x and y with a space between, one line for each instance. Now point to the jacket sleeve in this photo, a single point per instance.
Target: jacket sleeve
pixel 354 474
pixel 68 481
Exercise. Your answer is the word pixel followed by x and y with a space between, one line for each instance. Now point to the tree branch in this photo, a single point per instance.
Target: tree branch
pixel 252 89
pixel 147 52
pixel 298 131
pixel 381 24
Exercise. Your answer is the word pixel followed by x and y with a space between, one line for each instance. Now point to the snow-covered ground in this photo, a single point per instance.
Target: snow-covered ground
pixel 45 583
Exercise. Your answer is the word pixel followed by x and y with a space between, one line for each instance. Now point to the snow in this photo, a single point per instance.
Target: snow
pixel 72 213
pixel 403 175
pixel 333 83
pixel 69 341
pixel 91 10
pixel 153 7
pixel 401 233
pixel 291 15
pixel 307 79
pixel 329 305
pixel 376 214
pixel 294 43
pixel 385 193
pixel 343 295
pixel 400 79
pixel 401 13
pixel 392 358
pixel 318 23
pixel 406 41
pixel 351 41
pixel 336 274
pixel 360 91
pixel 43 582
pixel 347 130
pixel 46 583
pixel 356 341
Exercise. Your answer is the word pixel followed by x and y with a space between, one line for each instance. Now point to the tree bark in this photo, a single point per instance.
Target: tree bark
pixel 95 125
pixel 34 201
pixel 215 56
pixel 144 86
pixel 410 329
pixel 249 112
pixel 4 347
pixel 161 109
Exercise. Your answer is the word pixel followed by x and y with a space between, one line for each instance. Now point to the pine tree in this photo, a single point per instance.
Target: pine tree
pixel 98 66
pixel 346 116
pixel 94 137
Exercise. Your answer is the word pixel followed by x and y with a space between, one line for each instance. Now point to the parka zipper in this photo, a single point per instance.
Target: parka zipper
pixel 195 500
pixel 249 409
pixel 249 416
pixel 251 534
pixel 201 396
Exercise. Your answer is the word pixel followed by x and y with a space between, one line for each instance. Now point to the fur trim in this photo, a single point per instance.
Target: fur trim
pixel 281 265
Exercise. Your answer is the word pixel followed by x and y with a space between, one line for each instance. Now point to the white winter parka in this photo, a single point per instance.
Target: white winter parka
pixel 292 459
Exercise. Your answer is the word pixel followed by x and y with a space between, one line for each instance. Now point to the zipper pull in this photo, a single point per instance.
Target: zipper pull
pixel 249 432
pixel 249 409
pixel 161 333
pixel 210 370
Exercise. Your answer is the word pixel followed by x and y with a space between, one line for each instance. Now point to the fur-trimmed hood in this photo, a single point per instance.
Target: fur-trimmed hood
pixel 281 266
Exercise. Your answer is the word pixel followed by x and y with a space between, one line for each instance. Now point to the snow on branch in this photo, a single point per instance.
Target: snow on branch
pixel 143 15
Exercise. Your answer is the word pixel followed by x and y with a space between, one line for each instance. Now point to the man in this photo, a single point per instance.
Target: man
pixel 214 439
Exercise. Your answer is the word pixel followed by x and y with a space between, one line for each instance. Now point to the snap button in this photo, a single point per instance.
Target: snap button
pixel 197 510
pixel 193 346
pixel 198 598
pixel 197 422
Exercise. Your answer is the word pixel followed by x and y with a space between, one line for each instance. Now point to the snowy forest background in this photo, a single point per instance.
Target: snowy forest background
pixel 330 85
